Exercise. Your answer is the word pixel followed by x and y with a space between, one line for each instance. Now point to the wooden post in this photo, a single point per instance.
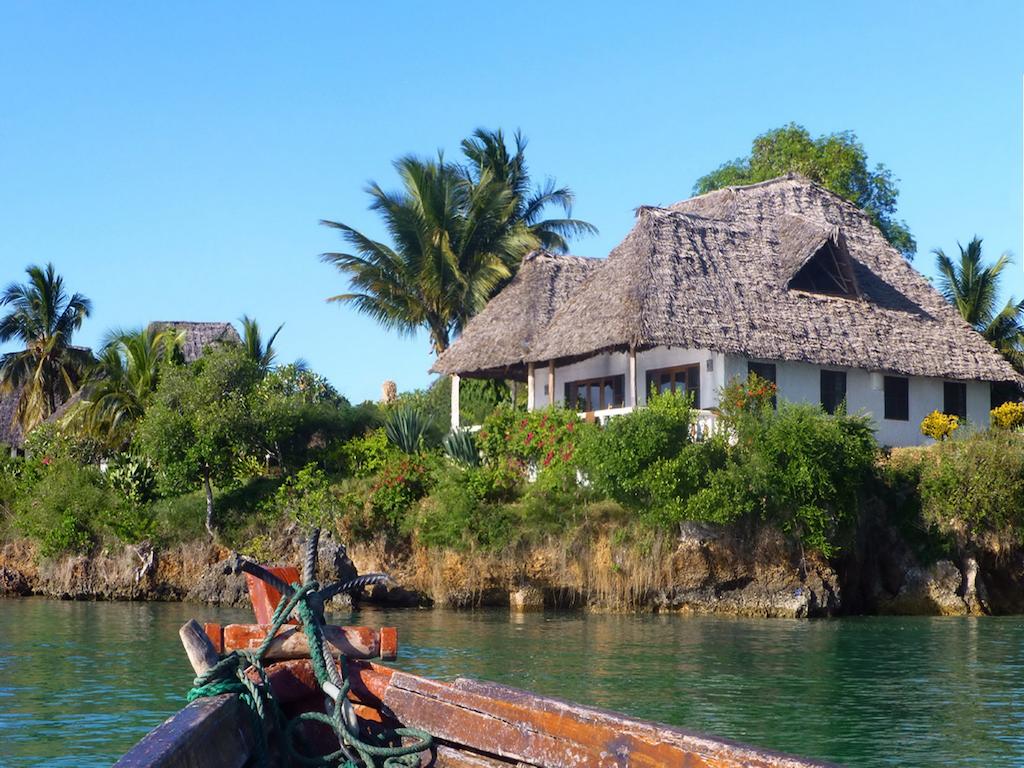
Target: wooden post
pixel 632 378
pixel 531 388
pixel 514 386
pixel 551 382
pixel 202 655
pixel 456 420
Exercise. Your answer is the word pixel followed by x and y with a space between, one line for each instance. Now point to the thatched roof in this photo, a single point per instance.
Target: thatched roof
pixel 496 341
pixel 199 336
pixel 722 271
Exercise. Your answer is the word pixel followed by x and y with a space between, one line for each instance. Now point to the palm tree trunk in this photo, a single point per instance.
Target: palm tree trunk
pixel 209 500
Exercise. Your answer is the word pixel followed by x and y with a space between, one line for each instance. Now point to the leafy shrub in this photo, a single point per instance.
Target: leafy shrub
pixel 63 506
pixel 975 486
pixel 308 498
pixel 401 483
pixel 466 508
pixel 408 429
pixel 621 459
pixel 744 402
pixel 939 426
pixel 365 456
pixel 460 446
pixel 49 441
pixel 178 518
pixel 797 468
pixel 1008 416
pixel 540 438
pixel 133 477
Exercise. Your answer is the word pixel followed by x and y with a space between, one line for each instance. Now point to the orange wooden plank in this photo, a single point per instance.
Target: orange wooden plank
pixel 264 597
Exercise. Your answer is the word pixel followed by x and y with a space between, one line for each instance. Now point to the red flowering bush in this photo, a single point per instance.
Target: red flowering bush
pixel 744 402
pixel 517 439
pixel 400 483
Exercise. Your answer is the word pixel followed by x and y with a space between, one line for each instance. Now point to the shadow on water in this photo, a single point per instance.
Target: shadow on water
pixel 81 682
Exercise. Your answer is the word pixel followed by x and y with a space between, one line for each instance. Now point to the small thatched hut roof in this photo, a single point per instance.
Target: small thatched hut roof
pixel 781 270
pixel 199 336
pixel 496 341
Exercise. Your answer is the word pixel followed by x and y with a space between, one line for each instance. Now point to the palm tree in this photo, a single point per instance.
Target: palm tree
pixel 123 381
pixel 973 288
pixel 43 318
pixel 454 243
pixel 487 153
pixel 252 341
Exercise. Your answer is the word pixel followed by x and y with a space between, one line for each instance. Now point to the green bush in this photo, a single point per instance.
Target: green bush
pixel 402 482
pixel 626 460
pixel 539 438
pixel 366 455
pixel 974 486
pixel 179 518
pixel 308 498
pixel 466 508
pixel 797 468
pixel 64 508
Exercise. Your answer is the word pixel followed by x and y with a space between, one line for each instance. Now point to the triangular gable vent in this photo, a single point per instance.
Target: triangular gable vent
pixel 827 270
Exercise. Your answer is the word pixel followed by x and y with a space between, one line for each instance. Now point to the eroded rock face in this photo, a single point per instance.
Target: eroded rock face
pixel 935 590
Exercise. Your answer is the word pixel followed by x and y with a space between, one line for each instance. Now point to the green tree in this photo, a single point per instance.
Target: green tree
pixel 457 235
pixel 453 246
pixel 488 156
pixel 252 341
pixel 123 381
pixel 973 288
pixel 200 422
pixel 836 161
pixel 42 317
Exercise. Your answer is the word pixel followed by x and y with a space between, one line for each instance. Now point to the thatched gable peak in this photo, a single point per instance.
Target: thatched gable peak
pixel 199 336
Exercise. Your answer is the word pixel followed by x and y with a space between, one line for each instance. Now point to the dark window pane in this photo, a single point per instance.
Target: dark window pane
pixel 833 390
pixel 897 398
pixel 955 399
pixel 764 371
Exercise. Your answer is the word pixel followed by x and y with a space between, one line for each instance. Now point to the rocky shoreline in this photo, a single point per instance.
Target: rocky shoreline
pixel 704 570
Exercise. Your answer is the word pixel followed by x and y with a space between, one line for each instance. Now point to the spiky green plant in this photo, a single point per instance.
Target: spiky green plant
pixel 461 447
pixel 407 429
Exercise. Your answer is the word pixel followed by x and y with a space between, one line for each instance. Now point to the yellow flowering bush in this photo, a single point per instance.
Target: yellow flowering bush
pixel 1008 416
pixel 939 426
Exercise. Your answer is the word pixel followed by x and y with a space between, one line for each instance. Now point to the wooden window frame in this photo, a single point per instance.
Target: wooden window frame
pixel 890 411
pixel 827 373
pixel 689 370
pixel 961 387
pixel 618 385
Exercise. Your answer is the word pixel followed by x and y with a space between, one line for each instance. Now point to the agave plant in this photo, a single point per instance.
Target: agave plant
pixel 460 446
pixel 407 428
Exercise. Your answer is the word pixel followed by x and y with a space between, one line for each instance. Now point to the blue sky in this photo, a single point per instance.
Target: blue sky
pixel 173 159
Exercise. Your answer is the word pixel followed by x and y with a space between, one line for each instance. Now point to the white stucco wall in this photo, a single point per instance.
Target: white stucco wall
pixel 801 382
pixel 797 382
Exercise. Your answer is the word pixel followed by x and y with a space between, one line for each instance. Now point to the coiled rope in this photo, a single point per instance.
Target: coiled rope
pixel 230 675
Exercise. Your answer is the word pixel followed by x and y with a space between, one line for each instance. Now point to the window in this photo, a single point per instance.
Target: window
pixel 833 390
pixel 897 398
pixel 595 394
pixel 764 371
pixel 955 399
pixel 828 271
pixel 684 379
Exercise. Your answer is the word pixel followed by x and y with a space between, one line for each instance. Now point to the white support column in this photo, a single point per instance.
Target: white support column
pixel 551 382
pixel 531 388
pixel 632 378
pixel 456 420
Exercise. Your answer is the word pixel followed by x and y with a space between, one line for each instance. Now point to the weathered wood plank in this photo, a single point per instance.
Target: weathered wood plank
pixel 290 641
pixel 215 732
pixel 516 725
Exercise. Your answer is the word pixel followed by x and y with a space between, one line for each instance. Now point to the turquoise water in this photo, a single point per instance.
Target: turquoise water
pixel 81 682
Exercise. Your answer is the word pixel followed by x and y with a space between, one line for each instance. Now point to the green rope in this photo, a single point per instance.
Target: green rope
pixel 229 675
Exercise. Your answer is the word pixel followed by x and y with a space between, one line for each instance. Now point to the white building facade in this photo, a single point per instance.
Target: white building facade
pixel 612 383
